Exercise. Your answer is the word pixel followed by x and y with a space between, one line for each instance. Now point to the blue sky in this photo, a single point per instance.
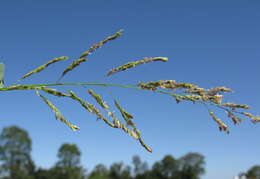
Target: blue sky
pixel 209 43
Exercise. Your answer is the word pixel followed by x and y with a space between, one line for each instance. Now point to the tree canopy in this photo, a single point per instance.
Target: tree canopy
pixel 15 149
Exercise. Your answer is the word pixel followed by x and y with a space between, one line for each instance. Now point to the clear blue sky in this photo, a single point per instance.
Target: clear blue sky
pixel 209 43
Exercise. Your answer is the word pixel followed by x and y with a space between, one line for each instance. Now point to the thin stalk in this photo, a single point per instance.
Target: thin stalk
pixel 7 88
pixel 69 84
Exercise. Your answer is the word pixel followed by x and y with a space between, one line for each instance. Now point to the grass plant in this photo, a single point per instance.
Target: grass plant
pixel 211 98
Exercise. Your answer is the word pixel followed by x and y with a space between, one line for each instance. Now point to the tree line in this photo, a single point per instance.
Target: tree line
pixel 17 163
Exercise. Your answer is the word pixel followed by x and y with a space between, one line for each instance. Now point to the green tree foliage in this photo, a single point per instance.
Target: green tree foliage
pixel 44 174
pixel 69 156
pixel 15 148
pixel 68 165
pixel 99 172
pixel 140 168
pixel 191 166
pixel 119 171
pixel 16 163
pixel 254 172
pixel 167 168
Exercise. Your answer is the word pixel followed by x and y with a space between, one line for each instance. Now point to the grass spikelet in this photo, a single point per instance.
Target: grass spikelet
pixel 136 63
pixel 90 108
pixel 57 113
pixel 82 58
pixel 199 91
pixel 134 133
pixel 233 105
pixel 254 119
pixel 84 104
pixel 186 86
pixel 222 126
pixel 40 68
pixel 73 65
pixel 144 145
pixel 153 85
pixel 118 124
pixel 149 86
pixel 20 87
pixel 101 43
pixel 170 84
pixel 247 114
pixel 98 98
pixel 216 90
pixel 192 98
pixel 127 117
pixel 54 92
pixel 234 118
pixel 100 116
pixel 217 99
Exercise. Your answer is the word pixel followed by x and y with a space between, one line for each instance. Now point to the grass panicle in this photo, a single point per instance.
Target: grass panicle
pixel 136 63
pixel 42 67
pixel 84 104
pixel 127 117
pixel 57 113
pixel 98 98
pixel 254 118
pixel 217 90
pixel 212 97
pixel 118 124
pixel 144 145
pixel 83 56
pixel 222 125
pixel 234 118
pixel 90 108
pixel 192 98
pixel 134 133
pixel 168 84
pixel 234 105
pixel 54 92
pixel 101 43
pixel 73 65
